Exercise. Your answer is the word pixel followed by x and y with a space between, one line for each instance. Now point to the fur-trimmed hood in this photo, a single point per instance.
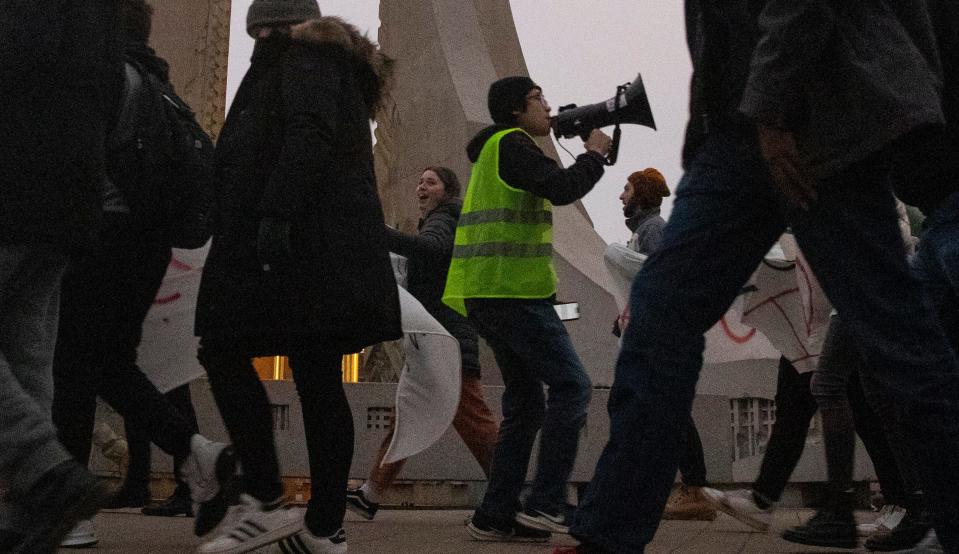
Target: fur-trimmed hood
pixel 335 31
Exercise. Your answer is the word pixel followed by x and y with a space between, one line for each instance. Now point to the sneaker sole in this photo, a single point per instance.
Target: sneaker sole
pixel 266 539
pixel 741 517
pixel 81 544
pixel 489 536
pixel 542 524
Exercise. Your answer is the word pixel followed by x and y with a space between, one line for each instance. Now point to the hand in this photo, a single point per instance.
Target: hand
pixel 598 142
pixel 273 242
pixel 789 173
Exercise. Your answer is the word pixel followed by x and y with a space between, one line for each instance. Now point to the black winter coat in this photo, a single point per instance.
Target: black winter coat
pixel 296 148
pixel 429 254
pixel 61 79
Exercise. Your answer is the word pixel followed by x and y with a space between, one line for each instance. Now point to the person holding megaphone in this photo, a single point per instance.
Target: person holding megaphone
pixel 502 278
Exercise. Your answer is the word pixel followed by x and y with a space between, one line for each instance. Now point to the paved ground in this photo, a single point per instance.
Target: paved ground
pixel 442 532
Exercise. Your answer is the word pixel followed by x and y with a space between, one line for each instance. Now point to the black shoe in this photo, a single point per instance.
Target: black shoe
pixel 826 528
pixel 65 495
pixel 487 528
pixel 357 503
pixel 556 521
pixel 176 505
pixel 129 497
pixel 907 534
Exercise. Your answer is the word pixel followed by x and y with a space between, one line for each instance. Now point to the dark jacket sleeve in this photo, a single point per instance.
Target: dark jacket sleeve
pixel 524 166
pixel 312 86
pixel 31 41
pixel 433 243
pixel 794 35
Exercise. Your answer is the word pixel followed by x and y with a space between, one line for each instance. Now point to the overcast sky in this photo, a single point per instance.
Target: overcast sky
pixel 578 52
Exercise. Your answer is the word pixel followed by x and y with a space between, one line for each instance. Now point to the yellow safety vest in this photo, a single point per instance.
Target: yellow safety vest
pixel 504 238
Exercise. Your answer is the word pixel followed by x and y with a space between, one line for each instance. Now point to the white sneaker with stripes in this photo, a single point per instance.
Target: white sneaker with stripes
pixel 305 542
pixel 257 524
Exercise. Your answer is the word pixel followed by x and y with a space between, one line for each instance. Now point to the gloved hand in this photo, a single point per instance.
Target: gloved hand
pixel 273 242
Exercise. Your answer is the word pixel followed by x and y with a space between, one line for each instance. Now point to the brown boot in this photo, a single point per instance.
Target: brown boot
pixel 688 503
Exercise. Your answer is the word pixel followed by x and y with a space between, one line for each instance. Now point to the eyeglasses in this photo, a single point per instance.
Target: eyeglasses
pixel 538 97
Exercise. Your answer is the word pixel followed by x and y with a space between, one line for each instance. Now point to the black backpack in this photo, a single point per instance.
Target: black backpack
pixel 162 161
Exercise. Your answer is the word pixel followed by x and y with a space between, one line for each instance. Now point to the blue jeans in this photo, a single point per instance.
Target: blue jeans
pixel 936 264
pixel 725 218
pixel 532 348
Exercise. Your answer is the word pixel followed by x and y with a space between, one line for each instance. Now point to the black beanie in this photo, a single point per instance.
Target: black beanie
pixel 507 96
pixel 269 13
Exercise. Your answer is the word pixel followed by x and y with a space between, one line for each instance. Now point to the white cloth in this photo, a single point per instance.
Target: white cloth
pixel 786 303
pixel 167 352
pixel 783 301
pixel 429 389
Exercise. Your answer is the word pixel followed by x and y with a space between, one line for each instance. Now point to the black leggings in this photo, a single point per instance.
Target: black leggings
pixel 327 424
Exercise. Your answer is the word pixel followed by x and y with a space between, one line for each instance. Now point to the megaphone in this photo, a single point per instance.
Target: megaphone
pixel 629 105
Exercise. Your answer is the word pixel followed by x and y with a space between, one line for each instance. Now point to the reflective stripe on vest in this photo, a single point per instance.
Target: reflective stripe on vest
pixel 504 238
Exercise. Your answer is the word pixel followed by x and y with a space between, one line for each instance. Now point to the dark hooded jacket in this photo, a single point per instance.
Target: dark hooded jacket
pixel 429 253
pixel 848 78
pixel 296 149
pixel 523 165
pixel 61 77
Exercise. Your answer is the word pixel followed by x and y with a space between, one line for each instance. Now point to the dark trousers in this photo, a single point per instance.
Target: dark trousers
pixel 138 439
pixel 327 424
pixel 104 300
pixel 841 392
pixel 692 463
pixel 726 216
pixel 795 407
pixel 532 349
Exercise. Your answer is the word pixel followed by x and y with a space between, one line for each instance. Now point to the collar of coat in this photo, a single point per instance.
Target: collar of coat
pixel 336 31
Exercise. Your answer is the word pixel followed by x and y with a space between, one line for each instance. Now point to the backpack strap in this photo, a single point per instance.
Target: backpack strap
pixel 125 129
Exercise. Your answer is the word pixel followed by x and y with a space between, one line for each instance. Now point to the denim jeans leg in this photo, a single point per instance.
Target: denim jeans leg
pixel 851 239
pixel 724 220
pixel 532 348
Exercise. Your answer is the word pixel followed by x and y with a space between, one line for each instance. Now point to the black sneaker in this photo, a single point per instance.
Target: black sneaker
pixel 907 534
pixel 176 505
pixel 547 520
pixel 487 528
pixel 65 495
pixel 827 528
pixel 357 503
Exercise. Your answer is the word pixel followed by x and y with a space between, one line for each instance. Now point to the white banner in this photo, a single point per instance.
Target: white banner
pixel 429 388
pixel 782 310
pixel 167 353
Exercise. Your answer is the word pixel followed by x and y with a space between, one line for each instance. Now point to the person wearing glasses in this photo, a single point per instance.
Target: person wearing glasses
pixel 502 278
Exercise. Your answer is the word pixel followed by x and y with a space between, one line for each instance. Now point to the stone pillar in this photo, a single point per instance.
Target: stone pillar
pixel 194 36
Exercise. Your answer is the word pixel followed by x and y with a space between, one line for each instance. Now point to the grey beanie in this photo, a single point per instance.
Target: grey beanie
pixel 271 13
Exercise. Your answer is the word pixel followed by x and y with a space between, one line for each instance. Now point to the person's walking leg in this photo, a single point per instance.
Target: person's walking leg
pixel 833 525
pixel 49 491
pixel 328 426
pixel 475 423
pixel 851 238
pixel 795 407
pixel 724 220
pixel 688 502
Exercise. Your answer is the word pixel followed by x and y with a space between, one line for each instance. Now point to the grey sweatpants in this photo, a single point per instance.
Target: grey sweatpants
pixel 29 303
